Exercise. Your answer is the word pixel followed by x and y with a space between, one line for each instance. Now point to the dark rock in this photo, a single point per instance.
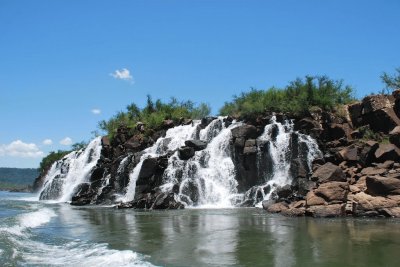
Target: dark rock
pixel 387 152
pixel 383 186
pixel 97 174
pixel 239 142
pixel 249 150
pixel 396 96
pixel 250 142
pixel 148 169
pixel 185 152
pixel 196 144
pixel 355 111
pixel 166 201
pixel 367 153
pixel 328 172
pixel 245 131
pixel 294 212
pixel 394 136
pixel 284 191
pixel 349 153
pixel 206 121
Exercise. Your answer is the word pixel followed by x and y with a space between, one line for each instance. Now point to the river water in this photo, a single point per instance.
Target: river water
pixel 36 233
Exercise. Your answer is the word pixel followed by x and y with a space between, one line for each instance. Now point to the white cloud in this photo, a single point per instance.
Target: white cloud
pixel 47 142
pixel 123 74
pixel 20 149
pixel 96 111
pixel 66 141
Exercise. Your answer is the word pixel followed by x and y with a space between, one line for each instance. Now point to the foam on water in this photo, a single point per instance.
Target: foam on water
pixel 23 248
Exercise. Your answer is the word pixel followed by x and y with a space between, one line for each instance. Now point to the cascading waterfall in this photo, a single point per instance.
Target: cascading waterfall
pixel 278 138
pixel 66 174
pixel 208 178
pixel 174 138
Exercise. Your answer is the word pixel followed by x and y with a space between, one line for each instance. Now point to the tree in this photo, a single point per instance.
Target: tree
pixel 391 81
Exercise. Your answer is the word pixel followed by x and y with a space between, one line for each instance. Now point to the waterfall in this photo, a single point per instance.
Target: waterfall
pixel 208 178
pixel 174 138
pixel 73 169
pixel 282 144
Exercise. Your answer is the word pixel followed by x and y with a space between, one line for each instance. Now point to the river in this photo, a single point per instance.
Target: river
pixel 41 233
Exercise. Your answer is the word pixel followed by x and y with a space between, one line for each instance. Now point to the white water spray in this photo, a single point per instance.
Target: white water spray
pixel 66 174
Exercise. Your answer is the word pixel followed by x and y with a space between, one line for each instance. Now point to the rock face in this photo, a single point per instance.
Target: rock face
pixel 328 172
pixel 357 174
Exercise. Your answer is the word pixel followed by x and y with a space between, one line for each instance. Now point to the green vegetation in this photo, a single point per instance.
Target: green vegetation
pixel 154 114
pixel 391 81
pixel 16 178
pixel 298 98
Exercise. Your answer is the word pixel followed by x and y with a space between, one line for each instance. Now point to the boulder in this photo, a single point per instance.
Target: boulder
pixel 387 152
pixel 326 211
pixel 328 172
pixel 373 171
pixel 185 152
pixel 166 201
pixel 333 191
pixel 355 111
pixel 276 207
pixel 394 136
pixel 294 212
pixel 349 153
pixel 335 131
pixel 283 191
pixel 196 144
pixel 245 131
pixel 392 212
pixel 373 103
pixel 367 153
pixel 367 202
pixel 312 199
pixel 148 169
pixel 377 185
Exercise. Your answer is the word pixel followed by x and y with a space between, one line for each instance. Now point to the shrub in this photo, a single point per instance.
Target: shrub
pixel 154 114
pixel 297 98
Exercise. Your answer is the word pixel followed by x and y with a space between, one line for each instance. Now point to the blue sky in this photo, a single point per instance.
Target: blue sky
pixel 57 57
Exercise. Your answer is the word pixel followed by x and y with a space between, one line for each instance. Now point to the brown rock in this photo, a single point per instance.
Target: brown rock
pixel 387 152
pixel 328 172
pixel 298 204
pixel 105 141
pixel 372 171
pixel 334 210
pixel 349 153
pixel 368 202
pixel 377 185
pixel 277 207
pixel 333 191
pixel 313 200
pixel 294 212
pixel 393 212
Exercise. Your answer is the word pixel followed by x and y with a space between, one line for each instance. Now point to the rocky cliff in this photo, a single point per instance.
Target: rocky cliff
pixel 344 163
